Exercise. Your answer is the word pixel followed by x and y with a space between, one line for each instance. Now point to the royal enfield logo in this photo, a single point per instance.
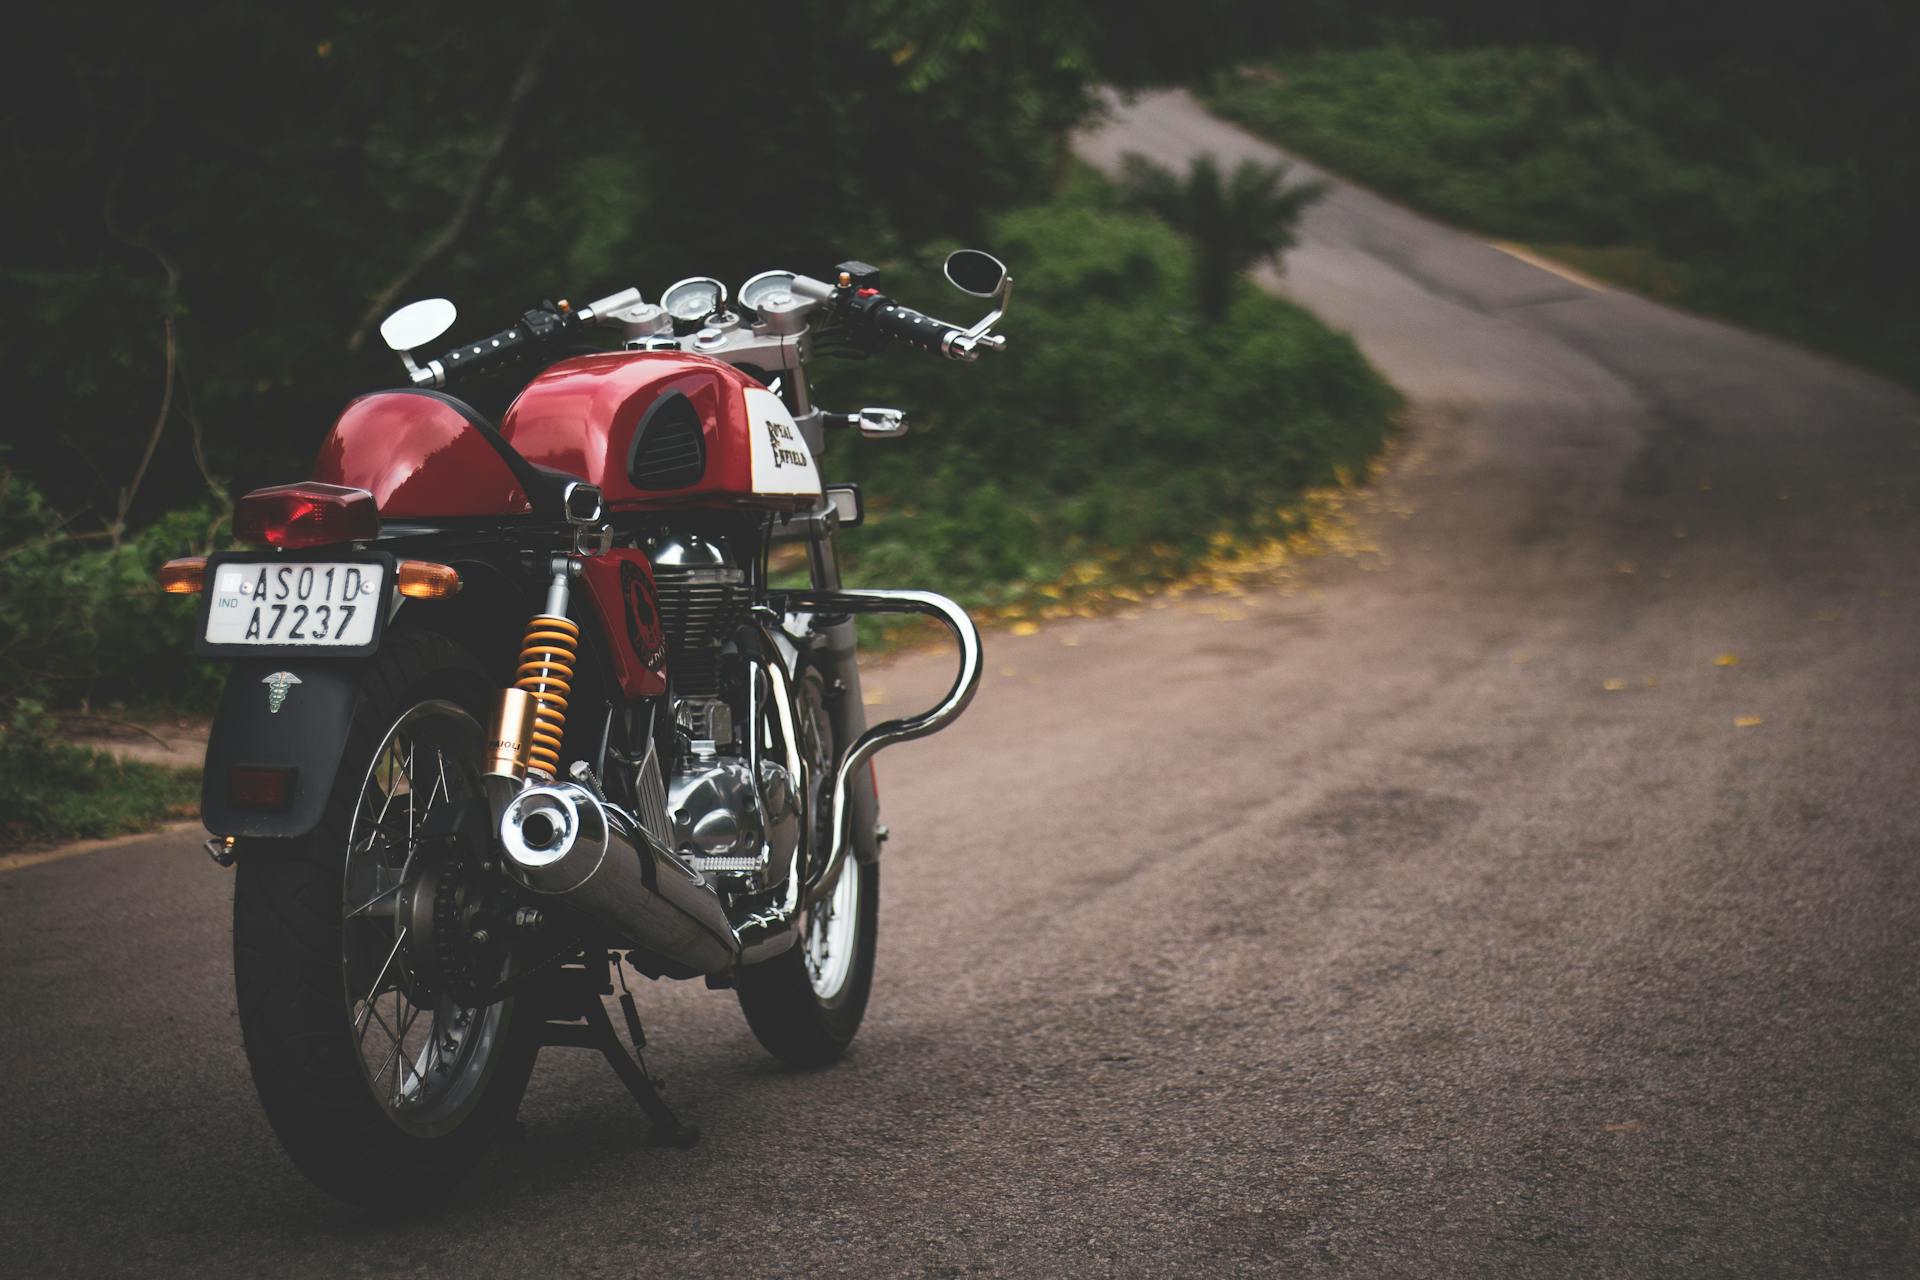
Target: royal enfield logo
pixel 277 685
pixel 780 436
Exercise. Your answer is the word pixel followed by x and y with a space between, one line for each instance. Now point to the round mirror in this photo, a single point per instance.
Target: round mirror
pixel 974 272
pixel 418 323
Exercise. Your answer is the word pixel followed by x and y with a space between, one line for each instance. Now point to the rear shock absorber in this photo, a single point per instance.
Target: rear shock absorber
pixel 530 719
pixel 547 657
pixel 546 672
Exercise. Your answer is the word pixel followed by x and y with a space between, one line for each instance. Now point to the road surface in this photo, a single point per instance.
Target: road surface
pixel 1538 896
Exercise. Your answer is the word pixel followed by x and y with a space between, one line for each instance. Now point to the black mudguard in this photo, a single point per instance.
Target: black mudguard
pixel 308 734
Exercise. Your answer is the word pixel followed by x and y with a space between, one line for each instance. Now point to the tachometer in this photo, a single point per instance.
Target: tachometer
pixel 694 298
pixel 775 287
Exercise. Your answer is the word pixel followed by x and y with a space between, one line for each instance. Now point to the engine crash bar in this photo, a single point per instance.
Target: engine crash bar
pixel 943 713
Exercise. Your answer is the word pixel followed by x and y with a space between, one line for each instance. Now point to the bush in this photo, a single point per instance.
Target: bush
pixel 53 790
pixel 1117 426
pixel 1118 429
pixel 81 618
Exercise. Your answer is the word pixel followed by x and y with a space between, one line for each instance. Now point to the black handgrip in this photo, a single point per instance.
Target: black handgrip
pixel 883 315
pixel 536 328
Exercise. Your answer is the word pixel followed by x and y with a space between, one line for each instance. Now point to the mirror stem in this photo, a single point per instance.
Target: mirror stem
pixel 1005 291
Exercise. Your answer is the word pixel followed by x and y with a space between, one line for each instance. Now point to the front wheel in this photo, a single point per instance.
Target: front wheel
pixel 383 1074
pixel 805 1004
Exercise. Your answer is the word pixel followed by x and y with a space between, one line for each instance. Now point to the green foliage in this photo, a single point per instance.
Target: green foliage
pixel 81 617
pixel 51 790
pixel 1117 427
pixel 1657 181
pixel 1231 224
pixel 293 165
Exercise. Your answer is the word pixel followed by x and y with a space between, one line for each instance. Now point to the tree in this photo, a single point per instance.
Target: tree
pixel 1233 223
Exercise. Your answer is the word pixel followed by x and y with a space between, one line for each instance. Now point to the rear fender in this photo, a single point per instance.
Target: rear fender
pixel 304 730
pixel 308 731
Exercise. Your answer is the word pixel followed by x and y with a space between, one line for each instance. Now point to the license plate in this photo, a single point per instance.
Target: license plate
pixel 313 604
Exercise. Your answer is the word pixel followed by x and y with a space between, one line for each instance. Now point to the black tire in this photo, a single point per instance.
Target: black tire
pixel 289 971
pixel 789 1019
pixel 792 1019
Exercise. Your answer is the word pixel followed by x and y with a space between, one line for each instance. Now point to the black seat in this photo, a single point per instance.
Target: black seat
pixel 546 487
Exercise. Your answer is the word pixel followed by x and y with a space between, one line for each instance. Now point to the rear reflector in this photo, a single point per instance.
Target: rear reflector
pixel 250 787
pixel 425 580
pixel 183 577
pixel 308 514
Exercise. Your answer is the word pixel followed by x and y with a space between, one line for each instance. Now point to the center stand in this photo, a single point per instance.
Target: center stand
pixel 575 1019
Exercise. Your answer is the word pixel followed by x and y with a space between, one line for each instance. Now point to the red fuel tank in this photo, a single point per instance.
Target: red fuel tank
pixel 658 429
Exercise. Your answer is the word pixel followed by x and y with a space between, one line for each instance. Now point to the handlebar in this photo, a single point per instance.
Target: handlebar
pixel 874 318
pixel 884 316
pixel 870 313
pixel 536 328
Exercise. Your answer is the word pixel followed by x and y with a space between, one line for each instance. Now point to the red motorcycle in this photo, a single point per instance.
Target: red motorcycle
pixel 512 703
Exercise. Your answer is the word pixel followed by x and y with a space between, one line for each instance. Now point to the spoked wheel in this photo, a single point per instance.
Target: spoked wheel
pixel 806 1004
pixel 383 1067
pixel 831 943
pixel 404 944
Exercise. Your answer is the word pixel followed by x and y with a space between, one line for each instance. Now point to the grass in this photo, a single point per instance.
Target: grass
pixel 52 791
pixel 1668 188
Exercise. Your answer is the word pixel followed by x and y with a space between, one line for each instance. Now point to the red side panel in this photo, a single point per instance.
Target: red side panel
pixel 580 416
pixel 621 584
pixel 419 458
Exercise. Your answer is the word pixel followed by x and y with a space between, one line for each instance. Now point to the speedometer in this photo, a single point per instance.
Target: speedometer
pixel 769 287
pixel 694 298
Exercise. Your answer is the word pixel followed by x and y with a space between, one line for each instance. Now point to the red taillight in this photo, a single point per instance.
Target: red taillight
pixel 308 514
pixel 257 788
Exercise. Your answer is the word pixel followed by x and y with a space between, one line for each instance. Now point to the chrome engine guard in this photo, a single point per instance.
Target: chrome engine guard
pixel 965 683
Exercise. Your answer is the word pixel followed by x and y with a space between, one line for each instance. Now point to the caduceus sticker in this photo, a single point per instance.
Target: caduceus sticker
pixel 277 685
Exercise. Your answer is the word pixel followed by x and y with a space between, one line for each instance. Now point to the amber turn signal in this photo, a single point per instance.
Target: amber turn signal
pixel 425 580
pixel 183 577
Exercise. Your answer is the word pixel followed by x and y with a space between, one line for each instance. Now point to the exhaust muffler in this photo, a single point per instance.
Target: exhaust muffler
pixel 562 842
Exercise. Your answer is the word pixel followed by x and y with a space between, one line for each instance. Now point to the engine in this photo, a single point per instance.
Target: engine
pixel 734 809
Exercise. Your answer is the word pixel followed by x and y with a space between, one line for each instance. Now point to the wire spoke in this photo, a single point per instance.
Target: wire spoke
pixel 381 978
pixel 383 1027
pixel 410 798
pixel 368 905
pixel 382 1068
pixel 392 783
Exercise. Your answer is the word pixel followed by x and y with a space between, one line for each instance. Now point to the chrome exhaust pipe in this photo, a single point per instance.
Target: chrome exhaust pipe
pixel 561 841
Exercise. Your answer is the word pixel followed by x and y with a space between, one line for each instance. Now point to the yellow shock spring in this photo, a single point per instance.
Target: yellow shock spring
pixel 546 672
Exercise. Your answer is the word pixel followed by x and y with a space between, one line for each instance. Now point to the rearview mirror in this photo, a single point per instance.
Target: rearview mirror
pixel 418 323
pixel 974 272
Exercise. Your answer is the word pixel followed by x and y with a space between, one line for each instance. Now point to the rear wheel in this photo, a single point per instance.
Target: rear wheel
pixel 806 1004
pixel 383 1072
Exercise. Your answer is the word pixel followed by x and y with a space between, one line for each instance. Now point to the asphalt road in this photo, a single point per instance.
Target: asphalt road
pixel 1449 911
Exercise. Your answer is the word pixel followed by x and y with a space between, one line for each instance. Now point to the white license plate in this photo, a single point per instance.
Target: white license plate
pixel 295 603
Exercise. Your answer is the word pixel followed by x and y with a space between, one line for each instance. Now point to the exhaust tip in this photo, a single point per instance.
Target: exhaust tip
pixel 539 827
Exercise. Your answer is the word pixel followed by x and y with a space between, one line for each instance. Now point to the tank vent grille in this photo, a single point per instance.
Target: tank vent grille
pixel 669 448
